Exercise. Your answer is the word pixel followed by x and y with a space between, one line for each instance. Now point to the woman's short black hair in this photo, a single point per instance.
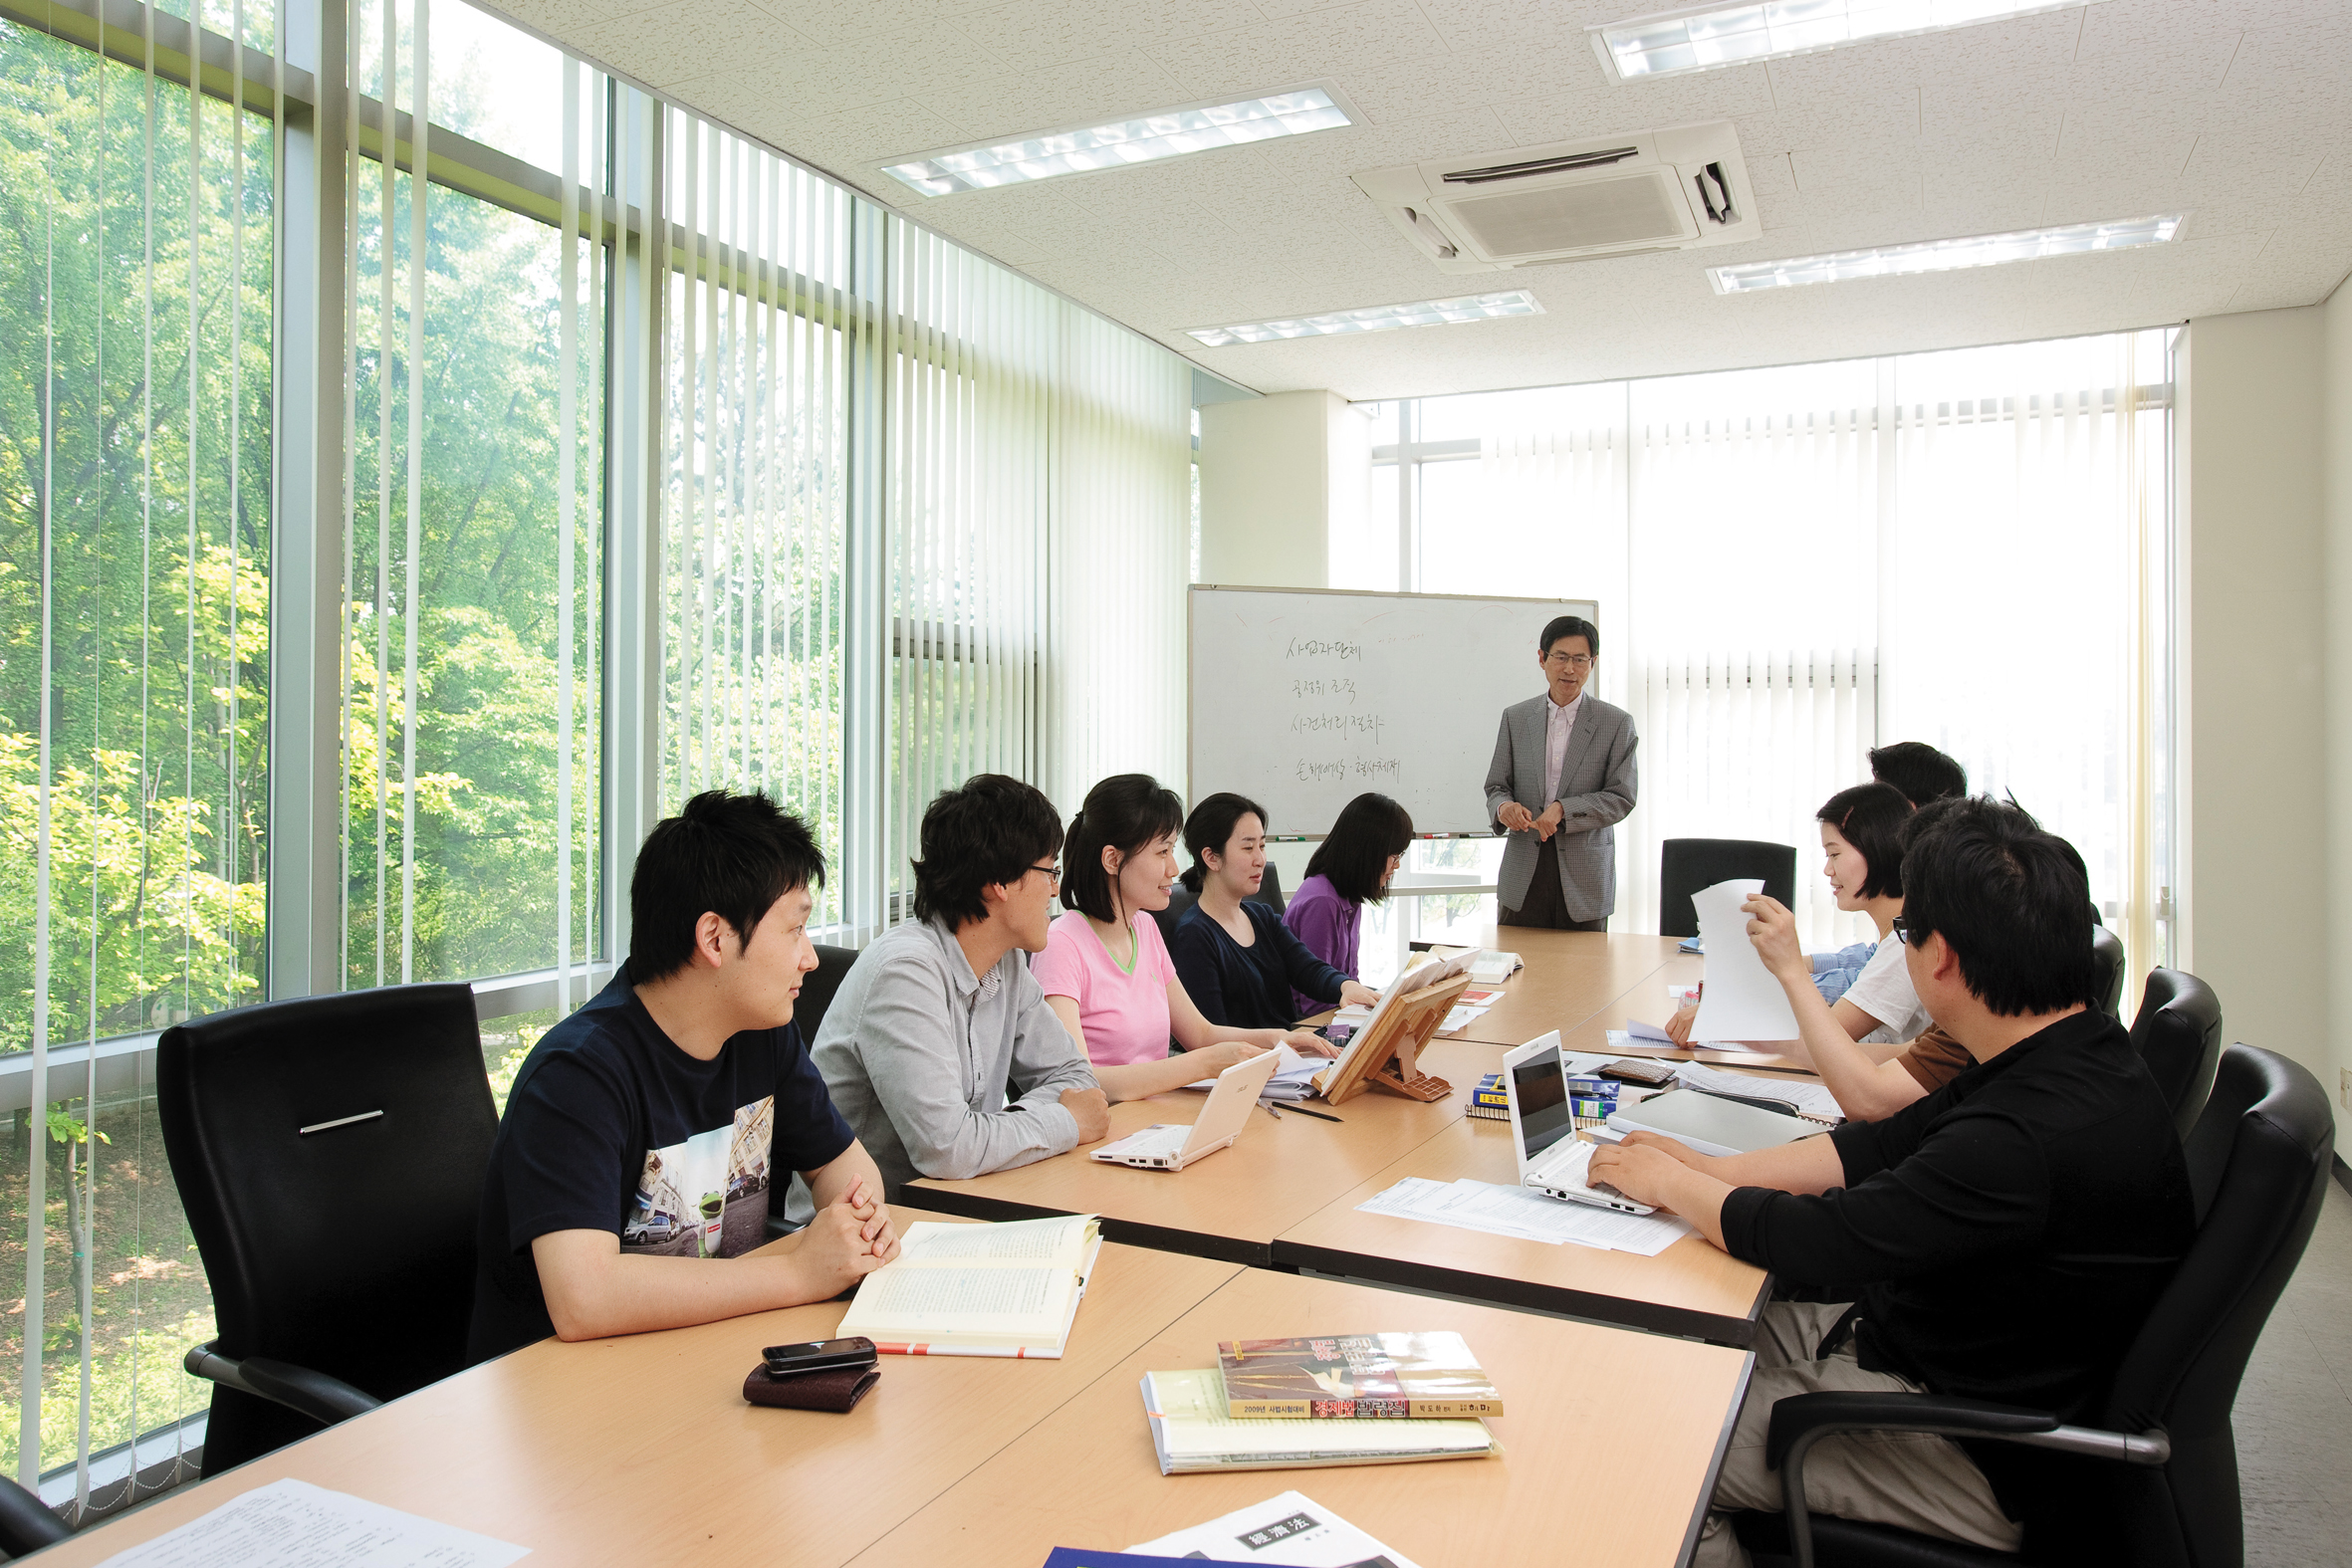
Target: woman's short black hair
pixel 1870 817
pixel 1354 858
pixel 1211 828
pixel 1916 769
pixel 1570 626
pixel 1125 813
pixel 988 832
pixel 725 854
pixel 2011 901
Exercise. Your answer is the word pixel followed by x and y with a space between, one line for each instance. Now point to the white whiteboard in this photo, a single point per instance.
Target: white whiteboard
pixel 1303 699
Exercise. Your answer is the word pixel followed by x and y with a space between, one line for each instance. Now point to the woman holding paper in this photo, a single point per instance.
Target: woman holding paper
pixel 1106 972
pixel 1862 856
pixel 1239 961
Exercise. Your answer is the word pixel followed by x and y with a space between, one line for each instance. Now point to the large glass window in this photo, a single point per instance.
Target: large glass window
pixel 137 234
pixel 1795 564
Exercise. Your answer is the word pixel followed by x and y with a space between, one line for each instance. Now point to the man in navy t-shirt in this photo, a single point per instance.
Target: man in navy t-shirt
pixel 647 1131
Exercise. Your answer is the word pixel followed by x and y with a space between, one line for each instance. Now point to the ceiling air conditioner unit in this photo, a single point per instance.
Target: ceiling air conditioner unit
pixel 1654 190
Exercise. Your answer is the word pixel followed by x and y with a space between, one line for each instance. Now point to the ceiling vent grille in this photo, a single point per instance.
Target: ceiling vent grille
pixel 1673 189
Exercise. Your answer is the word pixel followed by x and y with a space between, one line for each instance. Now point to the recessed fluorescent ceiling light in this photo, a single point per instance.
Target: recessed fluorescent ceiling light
pixel 1984 250
pixel 1706 38
pixel 1378 318
pixel 1166 134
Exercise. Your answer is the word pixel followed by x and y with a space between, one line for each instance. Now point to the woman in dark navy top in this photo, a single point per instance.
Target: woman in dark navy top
pixel 1239 962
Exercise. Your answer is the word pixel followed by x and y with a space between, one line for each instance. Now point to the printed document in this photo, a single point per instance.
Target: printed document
pixel 1526 1216
pixel 1742 1000
pixel 294 1524
pixel 1292 1529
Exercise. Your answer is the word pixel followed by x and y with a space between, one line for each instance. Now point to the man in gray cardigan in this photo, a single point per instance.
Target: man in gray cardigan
pixel 938 1014
pixel 1562 777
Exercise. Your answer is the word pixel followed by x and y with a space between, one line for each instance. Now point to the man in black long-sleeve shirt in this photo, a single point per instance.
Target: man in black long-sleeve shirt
pixel 2002 1238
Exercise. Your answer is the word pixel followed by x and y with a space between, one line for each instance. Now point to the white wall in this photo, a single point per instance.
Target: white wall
pixel 2336 581
pixel 2256 732
pixel 1271 471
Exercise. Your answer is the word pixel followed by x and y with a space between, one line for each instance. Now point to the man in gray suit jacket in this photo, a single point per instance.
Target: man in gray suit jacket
pixel 1562 776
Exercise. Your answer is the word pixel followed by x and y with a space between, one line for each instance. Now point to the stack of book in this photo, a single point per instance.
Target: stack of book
pixel 1323 1400
pixel 1486 1101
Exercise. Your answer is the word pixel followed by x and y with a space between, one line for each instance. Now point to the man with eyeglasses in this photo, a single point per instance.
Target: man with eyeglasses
pixel 2001 1238
pixel 1563 778
pixel 939 1013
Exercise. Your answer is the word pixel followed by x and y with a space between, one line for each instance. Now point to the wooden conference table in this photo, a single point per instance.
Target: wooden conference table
pixel 1285 1194
pixel 641 1449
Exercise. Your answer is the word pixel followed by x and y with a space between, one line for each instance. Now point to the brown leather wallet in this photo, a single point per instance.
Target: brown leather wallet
pixel 835 1390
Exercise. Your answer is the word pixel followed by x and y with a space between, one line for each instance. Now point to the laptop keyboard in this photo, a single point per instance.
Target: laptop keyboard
pixel 1570 1169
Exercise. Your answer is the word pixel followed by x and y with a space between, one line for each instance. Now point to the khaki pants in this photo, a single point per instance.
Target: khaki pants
pixel 1912 1480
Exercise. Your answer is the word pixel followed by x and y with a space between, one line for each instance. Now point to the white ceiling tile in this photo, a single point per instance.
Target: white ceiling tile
pixel 1336 43
pixel 680 41
pixel 562 20
pixel 1057 97
pixel 833 24
pixel 1036 33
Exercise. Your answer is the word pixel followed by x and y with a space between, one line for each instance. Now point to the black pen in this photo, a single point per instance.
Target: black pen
pixel 1320 1116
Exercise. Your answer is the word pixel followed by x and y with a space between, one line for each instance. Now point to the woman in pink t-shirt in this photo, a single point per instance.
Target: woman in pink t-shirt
pixel 1107 973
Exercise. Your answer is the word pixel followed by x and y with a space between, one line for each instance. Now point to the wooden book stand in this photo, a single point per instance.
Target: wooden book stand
pixel 1381 1054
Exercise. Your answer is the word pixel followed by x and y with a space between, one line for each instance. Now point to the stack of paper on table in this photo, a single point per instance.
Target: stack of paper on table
pixel 1290 1530
pixel 1192 1433
pixel 1525 1215
pixel 294 1524
pixel 1292 1080
pixel 1802 1096
pixel 979 1289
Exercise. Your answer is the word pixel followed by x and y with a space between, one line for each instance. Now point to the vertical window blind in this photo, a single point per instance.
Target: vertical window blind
pixel 136 233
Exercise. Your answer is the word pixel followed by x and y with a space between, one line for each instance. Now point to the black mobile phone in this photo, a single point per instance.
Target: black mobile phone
pixel 823 1355
pixel 1652 1073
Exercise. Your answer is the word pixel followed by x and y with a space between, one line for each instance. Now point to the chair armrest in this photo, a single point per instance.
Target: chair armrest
pixel 27 1523
pixel 1802 1419
pixel 326 1400
pixel 1818 1414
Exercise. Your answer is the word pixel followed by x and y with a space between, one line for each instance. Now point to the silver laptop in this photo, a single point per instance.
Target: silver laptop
pixel 1171 1146
pixel 1551 1159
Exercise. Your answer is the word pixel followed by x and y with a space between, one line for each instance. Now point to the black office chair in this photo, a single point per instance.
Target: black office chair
pixel 819 987
pixel 2107 956
pixel 1688 865
pixel 2179 1036
pixel 26 1524
pixel 2258 1162
pixel 330 1154
pixel 1180 899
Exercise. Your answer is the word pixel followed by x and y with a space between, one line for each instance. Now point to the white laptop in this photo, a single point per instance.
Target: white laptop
pixel 1552 1158
pixel 1170 1145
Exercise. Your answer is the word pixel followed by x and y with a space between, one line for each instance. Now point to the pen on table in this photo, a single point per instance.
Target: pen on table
pixel 1320 1116
pixel 1267 1107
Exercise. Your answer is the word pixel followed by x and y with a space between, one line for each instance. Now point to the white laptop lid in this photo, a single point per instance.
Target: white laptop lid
pixel 1536 1089
pixel 1231 1102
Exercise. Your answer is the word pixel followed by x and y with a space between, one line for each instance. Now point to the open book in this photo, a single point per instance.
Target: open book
pixel 979 1289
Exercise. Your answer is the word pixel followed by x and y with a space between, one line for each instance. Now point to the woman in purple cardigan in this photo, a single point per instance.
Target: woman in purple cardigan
pixel 1350 869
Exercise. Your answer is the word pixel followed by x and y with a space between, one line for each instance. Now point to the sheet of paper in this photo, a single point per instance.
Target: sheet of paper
pixel 1461 1017
pixel 1647 1034
pixel 1742 1002
pixel 294 1524
pixel 1803 1095
pixel 1292 1529
pixel 1291 1071
pixel 1526 1216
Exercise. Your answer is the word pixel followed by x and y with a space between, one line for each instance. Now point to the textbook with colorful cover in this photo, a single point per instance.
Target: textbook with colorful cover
pixel 1486 1101
pixel 1355 1377
pixel 1192 1433
pixel 979 1289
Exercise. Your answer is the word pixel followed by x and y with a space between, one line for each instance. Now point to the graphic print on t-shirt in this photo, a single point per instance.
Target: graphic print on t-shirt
pixel 707 1196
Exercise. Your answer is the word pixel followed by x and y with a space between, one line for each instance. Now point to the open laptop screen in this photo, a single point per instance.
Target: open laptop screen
pixel 1542 1090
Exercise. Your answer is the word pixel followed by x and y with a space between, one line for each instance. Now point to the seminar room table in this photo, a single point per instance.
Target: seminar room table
pixel 1233 1203
pixel 1610 1446
pixel 640 1448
